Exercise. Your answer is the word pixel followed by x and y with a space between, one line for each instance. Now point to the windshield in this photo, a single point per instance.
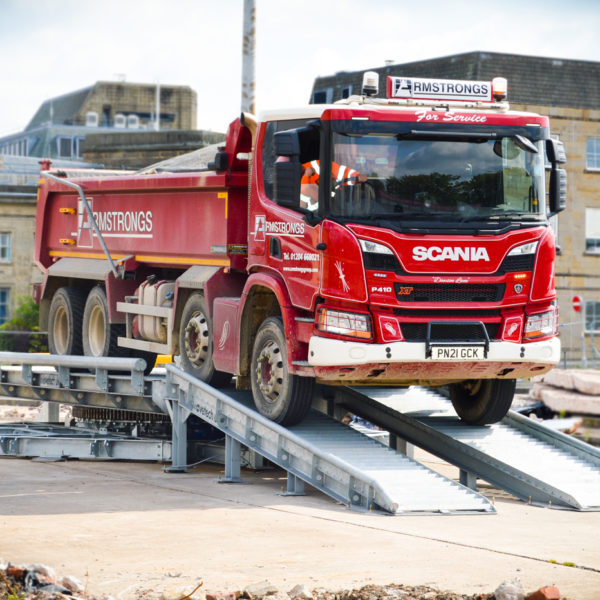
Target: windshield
pixel 457 177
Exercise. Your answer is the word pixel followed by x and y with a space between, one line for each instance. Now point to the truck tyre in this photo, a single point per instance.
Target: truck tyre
pixel 482 401
pixel 99 336
pixel 64 321
pixel 196 343
pixel 278 395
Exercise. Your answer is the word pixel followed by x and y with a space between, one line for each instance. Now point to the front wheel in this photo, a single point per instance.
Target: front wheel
pixel 278 395
pixel 482 401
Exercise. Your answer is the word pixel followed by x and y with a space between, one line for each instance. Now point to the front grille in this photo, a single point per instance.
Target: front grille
pixel 465 313
pixel 430 292
pixel 459 332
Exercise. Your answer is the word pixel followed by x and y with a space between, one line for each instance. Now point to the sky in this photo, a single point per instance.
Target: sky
pixel 52 47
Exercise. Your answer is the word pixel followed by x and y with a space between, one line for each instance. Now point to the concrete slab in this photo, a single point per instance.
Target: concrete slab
pixel 124 527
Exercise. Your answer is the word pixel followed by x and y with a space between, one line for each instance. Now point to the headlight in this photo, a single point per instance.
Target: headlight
pixel 374 247
pixel 541 325
pixel 524 249
pixel 345 323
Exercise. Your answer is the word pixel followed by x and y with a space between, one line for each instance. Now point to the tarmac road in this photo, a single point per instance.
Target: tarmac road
pixel 125 527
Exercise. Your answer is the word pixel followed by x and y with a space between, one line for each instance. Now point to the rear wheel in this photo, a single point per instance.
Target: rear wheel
pixel 278 395
pixel 196 343
pixel 482 401
pixel 99 334
pixel 64 321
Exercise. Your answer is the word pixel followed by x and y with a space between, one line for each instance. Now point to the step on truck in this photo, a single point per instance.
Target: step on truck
pixel 375 241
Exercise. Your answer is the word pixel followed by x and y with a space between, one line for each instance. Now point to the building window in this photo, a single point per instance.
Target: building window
pixel 323 96
pixel 593 154
pixel 78 145
pixel 347 91
pixel 592 316
pixel 4 304
pixel 5 247
pixel 65 149
pixel 592 230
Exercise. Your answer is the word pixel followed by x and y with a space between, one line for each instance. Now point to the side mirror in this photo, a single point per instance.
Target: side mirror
pixel 555 150
pixel 557 190
pixel 220 162
pixel 287 143
pixel 286 183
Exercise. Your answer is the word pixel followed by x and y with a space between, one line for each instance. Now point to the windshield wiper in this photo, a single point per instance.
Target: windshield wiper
pixel 508 216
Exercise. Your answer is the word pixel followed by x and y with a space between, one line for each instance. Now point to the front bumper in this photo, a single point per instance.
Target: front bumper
pixel 406 362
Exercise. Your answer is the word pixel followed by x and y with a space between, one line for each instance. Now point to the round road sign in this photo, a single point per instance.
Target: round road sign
pixel 577 302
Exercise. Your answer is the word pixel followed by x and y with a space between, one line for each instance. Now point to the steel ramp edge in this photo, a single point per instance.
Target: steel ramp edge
pixel 313 452
pixel 519 455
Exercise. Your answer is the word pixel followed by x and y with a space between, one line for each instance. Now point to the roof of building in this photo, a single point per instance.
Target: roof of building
pixel 531 79
pixel 59 110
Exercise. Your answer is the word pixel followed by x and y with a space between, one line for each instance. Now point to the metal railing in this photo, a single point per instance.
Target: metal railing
pixel 580 345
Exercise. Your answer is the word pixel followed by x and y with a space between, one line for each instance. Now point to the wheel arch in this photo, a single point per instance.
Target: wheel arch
pixel 264 296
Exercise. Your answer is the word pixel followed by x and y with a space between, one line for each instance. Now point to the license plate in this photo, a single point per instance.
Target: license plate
pixel 457 352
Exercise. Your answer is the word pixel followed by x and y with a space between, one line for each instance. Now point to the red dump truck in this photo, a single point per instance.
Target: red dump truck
pixel 378 242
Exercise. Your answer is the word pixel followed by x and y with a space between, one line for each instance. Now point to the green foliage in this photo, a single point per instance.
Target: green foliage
pixel 25 318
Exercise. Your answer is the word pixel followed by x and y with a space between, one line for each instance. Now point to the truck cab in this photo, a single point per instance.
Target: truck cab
pixel 421 253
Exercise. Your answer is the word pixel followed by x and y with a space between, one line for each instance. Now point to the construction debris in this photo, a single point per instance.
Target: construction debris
pixel 38 582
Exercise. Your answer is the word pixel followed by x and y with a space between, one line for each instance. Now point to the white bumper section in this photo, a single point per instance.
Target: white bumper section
pixel 327 352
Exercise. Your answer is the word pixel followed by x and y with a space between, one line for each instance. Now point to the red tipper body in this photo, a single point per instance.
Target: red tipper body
pixel 434 265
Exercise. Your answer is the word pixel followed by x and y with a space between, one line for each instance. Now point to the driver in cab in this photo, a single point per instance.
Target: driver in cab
pixel 342 176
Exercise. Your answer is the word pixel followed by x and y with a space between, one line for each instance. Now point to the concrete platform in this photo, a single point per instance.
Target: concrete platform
pixel 125 527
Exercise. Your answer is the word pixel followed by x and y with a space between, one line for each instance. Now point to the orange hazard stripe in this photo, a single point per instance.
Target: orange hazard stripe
pixel 179 260
pixel 224 196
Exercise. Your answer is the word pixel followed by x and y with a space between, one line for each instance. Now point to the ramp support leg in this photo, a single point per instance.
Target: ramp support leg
pixel 233 456
pixel 179 416
pixel 402 446
pixel 468 480
pixel 49 413
pixel 295 486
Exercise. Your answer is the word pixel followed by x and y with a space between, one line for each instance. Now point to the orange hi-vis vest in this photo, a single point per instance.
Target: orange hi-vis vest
pixel 343 175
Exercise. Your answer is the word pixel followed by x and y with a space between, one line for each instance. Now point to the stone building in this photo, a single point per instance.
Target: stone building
pixel 568 91
pixel 60 125
pixel 18 202
pixel 17 225
pixel 122 150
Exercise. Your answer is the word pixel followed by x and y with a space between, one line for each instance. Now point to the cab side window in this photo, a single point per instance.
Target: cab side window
pixel 268 152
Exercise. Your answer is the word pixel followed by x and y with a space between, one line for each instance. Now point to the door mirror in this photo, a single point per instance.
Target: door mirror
pixel 557 190
pixel 555 150
pixel 286 183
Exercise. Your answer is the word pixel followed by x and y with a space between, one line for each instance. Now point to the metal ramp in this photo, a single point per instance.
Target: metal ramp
pixel 335 459
pixel 520 455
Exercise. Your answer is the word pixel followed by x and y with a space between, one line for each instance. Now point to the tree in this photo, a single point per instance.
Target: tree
pixel 26 319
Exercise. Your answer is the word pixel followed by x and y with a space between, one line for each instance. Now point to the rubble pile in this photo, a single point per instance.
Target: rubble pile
pixel 508 590
pixel 39 582
pixel 569 391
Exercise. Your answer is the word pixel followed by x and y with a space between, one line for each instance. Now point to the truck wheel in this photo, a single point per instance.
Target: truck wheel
pixel 482 401
pixel 99 336
pixel 64 321
pixel 196 343
pixel 278 395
